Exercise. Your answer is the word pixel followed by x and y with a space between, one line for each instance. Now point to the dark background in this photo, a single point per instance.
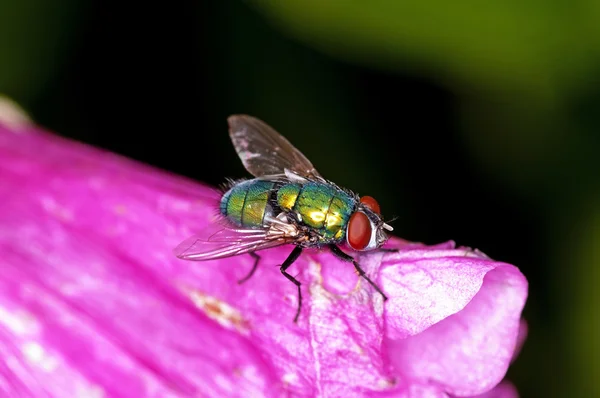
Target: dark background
pixel 474 125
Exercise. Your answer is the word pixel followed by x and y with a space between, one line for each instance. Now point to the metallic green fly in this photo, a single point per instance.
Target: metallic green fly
pixel 288 202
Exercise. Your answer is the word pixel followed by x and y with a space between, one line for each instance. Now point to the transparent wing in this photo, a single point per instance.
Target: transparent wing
pixel 265 152
pixel 220 240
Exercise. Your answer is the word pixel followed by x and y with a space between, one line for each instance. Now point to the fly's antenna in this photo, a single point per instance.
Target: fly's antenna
pixel 387 226
pixel 392 220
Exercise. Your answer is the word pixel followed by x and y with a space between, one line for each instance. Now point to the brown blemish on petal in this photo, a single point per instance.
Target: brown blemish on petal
pixel 218 310
pixel 387 382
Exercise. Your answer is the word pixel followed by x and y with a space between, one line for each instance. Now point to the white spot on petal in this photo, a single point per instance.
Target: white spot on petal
pixel 89 392
pixel 19 322
pixel 34 353
pixel 290 378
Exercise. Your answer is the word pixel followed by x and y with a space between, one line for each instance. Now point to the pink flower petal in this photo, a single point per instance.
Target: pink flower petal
pixel 80 314
pixel 92 300
pixel 462 312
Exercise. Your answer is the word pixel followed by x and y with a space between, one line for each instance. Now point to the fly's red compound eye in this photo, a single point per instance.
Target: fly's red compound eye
pixel 371 203
pixel 359 231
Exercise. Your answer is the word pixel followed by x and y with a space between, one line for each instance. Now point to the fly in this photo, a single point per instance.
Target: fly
pixel 287 202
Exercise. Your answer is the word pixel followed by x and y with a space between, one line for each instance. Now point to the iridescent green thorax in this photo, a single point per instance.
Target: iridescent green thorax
pixel 321 206
pixel 246 203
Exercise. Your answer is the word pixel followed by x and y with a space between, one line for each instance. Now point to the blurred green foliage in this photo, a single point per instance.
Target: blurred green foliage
pixel 526 81
pixel 34 36
pixel 541 47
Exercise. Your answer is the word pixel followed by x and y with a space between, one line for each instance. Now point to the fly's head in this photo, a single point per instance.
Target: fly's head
pixel 366 229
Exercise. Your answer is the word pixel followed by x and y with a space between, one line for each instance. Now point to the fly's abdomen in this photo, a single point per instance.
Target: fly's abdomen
pixel 320 206
pixel 246 203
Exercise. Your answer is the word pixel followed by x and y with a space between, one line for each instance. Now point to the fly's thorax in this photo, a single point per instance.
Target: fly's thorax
pixel 287 195
pixel 246 203
pixel 320 206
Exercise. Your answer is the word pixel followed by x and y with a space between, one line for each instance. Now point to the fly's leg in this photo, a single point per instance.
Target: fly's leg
pixel 256 258
pixel 286 264
pixel 343 256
